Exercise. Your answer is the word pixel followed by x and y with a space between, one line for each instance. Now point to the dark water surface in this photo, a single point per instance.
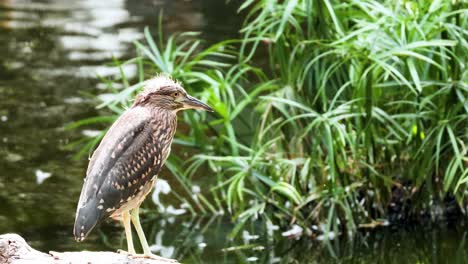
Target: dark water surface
pixel 50 54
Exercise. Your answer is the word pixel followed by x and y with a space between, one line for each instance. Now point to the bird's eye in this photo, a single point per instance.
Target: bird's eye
pixel 175 94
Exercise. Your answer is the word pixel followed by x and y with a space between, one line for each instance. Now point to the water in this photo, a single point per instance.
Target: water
pixel 50 53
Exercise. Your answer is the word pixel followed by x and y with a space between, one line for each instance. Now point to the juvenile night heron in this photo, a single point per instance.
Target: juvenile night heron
pixel 124 168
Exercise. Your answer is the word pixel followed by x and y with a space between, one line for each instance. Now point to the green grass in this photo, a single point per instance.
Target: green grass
pixel 356 98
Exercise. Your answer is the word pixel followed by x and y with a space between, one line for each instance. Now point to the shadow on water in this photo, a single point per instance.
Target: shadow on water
pixel 50 53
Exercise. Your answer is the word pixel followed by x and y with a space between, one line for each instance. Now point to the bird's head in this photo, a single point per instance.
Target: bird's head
pixel 165 93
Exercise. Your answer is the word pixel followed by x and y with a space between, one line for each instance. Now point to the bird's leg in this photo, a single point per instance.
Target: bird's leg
pixel 141 235
pixel 128 231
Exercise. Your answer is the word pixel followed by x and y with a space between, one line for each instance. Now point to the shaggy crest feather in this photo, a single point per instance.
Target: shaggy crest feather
pixel 160 80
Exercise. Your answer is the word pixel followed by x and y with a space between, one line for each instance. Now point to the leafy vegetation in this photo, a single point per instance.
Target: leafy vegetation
pixel 324 109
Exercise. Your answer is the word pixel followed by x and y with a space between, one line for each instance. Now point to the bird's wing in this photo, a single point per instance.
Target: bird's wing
pixel 127 152
pixel 118 138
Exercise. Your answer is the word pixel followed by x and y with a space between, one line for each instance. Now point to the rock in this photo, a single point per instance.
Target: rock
pixel 15 250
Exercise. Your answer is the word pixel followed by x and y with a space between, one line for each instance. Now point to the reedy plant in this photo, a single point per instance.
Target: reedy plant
pixel 357 99
pixel 358 106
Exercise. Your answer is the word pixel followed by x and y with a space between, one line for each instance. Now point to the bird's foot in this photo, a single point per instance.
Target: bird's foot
pixel 148 256
pixel 155 257
pixel 124 252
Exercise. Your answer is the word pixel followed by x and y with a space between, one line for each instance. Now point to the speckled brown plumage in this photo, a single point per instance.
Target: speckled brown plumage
pixel 124 168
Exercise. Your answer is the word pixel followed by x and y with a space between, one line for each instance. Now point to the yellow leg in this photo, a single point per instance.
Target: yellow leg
pixel 128 232
pixel 141 234
pixel 144 244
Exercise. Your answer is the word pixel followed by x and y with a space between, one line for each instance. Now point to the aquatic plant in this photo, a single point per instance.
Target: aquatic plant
pixel 356 102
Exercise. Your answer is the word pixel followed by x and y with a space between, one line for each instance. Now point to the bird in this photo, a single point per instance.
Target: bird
pixel 124 167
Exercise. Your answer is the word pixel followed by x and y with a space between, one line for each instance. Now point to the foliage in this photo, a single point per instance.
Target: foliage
pixel 356 99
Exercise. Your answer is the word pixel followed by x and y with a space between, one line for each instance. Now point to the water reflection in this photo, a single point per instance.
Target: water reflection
pixel 50 54
pixel 207 240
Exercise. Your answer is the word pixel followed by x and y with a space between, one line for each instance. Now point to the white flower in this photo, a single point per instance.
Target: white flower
pixel 91 133
pixel 331 236
pixel 196 189
pixel 41 176
pixel 294 231
pixel 252 259
pixel 202 245
pixel 166 252
pixel 246 236
pixel 161 186
pixel 173 211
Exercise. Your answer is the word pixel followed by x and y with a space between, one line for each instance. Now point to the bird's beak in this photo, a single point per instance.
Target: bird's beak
pixel 193 103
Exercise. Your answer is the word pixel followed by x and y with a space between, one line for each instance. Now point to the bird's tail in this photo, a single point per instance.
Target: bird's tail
pixel 87 216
